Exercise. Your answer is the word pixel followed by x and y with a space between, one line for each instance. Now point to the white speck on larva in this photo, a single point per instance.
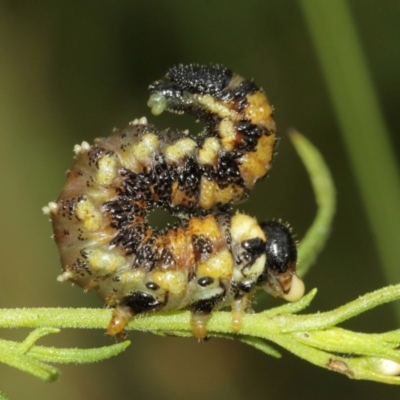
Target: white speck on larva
pixel 52 207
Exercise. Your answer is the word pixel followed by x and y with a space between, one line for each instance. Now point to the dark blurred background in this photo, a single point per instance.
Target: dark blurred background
pixel 71 71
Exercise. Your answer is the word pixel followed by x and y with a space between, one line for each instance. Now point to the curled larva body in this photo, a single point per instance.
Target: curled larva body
pixel 238 143
pixel 206 261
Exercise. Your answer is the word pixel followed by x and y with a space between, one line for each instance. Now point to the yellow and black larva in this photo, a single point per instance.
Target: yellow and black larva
pixel 208 260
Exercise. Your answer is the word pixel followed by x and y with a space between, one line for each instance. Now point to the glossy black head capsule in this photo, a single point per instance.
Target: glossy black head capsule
pixel 279 277
pixel 280 248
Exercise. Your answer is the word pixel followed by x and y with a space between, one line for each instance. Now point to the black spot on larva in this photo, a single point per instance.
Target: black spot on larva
pixel 205 306
pixel 145 257
pixel 191 276
pixel 224 222
pixel 160 178
pixel 228 170
pixel 205 281
pixel 238 95
pixel 189 177
pixel 250 135
pixel 130 238
pixel 255 247
pixel 137 186
pixel 202 247
pixel 167 258
pixel 67 207
pixel 246 286
pixel 94 154
pixel 152 286
pixel 81 267
pixel 140 302
pixel 84 253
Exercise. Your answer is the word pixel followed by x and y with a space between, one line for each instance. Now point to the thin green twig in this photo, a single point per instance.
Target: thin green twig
pixel 325 196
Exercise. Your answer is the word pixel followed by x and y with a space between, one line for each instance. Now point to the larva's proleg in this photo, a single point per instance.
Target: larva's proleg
pixel 204 262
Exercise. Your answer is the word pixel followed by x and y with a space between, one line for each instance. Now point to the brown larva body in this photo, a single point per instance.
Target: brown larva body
pixel 203 263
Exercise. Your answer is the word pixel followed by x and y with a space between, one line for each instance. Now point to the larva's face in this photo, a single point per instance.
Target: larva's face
pixel 209 259
pixel 166 96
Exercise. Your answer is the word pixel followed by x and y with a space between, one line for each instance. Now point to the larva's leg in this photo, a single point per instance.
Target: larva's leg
pixel 203 307
pixel 120 317
pixel 239 308
pixel 198 322
pixel 135 303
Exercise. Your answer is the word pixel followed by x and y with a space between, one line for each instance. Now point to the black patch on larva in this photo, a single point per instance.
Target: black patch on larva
pixel 250 135
pixel 228 170
pixel 224 222
pixel 94 154
pixel 145 257
pixel 67 208
pixel 161 178
pixel 238 95
pixel 81 267
pixel 202 247
pixel 206 306
pixel 140 302
pixel 166 258
pixel 130 238
pixel 246 286
pixel 201 79
pixel 123 212
pixel 255 247
pixel 189 177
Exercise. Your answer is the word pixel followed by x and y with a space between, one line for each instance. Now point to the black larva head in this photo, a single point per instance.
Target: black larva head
pixel 281 248
pixel 279 277
pixel 174 92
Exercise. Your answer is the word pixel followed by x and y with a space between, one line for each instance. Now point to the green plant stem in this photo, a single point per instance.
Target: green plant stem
pixel 324 190
pixel 362 126
pixel 279 320
pixel 33 359
pixel 313 337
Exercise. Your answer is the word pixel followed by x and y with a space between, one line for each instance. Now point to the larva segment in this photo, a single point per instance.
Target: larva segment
pixel 236 113
pixel 204 262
